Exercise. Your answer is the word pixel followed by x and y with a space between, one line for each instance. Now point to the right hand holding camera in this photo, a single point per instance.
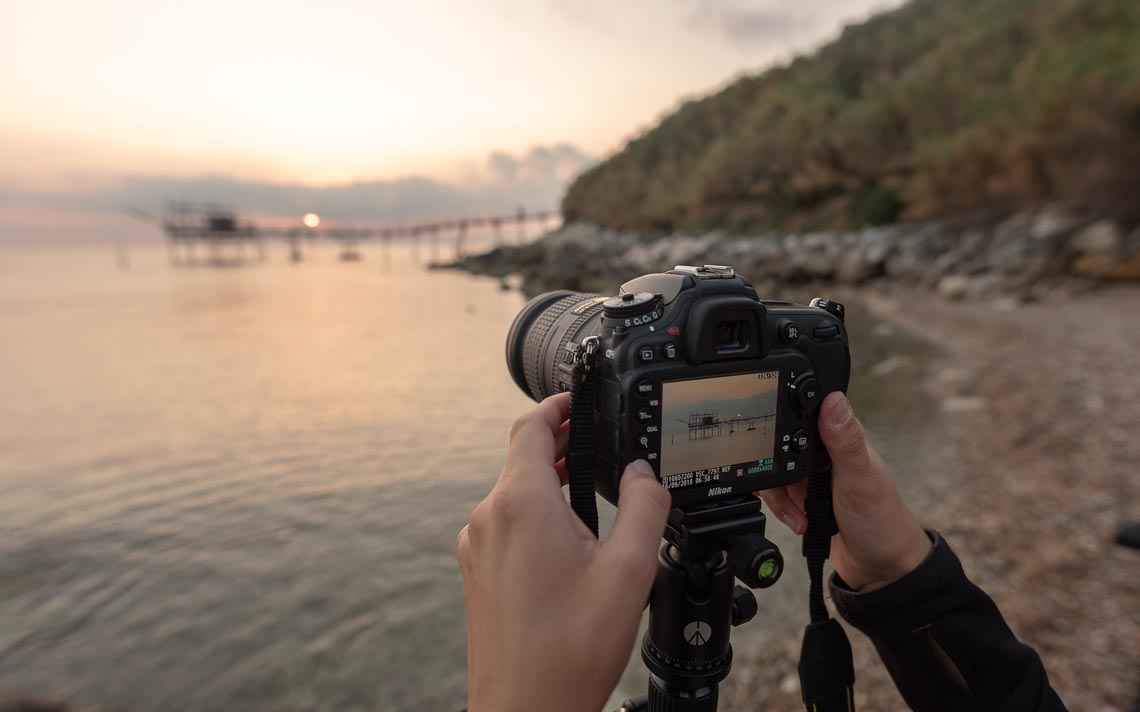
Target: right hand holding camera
pixel 879 539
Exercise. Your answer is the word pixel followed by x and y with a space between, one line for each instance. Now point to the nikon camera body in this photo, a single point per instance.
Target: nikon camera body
pixel 716 388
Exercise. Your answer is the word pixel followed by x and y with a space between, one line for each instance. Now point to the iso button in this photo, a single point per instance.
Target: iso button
pixel 806 392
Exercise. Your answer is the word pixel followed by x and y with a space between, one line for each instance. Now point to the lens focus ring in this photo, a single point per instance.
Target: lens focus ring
pixel 537 341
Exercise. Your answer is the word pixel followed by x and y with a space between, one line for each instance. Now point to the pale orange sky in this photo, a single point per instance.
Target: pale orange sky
pixel 339 91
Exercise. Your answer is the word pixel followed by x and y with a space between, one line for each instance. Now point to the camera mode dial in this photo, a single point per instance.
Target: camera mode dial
pixel 633 308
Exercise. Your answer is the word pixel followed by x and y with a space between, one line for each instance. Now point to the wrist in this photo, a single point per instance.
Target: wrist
pixel 910 553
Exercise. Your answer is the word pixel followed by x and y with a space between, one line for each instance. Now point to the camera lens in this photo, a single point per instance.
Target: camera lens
pixel 731 336
pixel 538 337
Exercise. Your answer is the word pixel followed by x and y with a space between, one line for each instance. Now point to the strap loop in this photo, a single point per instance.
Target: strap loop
pixel 827 671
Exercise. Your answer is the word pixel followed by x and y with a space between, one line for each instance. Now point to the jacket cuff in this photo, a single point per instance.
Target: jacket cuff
pixel 861 609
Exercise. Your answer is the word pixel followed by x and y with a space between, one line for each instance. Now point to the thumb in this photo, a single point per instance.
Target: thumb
pixel 643 506
pixel 843 436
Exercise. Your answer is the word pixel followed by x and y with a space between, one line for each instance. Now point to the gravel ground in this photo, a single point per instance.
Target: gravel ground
pixel 1026 460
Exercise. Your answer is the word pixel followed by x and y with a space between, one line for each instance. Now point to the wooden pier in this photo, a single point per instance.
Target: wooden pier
pixel 217 235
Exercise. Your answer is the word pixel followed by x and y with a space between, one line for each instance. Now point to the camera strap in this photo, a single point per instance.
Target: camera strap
pixel 827 672
pixel 580 455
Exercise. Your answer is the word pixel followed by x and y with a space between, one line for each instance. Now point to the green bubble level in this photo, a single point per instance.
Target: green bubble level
pixel 768 569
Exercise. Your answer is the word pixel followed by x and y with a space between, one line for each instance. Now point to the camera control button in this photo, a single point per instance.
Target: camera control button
pixel 806 392
pixel 643 442
pixel 669 350
pixel 645 387
pixel 790 332
pixel 826 332
pixel 791 464
pixel 800 439
pixel 836 309
pixel 645 415
pixel 645 353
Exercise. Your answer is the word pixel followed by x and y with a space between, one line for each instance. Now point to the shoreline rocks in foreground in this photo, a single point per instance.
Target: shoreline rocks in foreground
pixel 1023 257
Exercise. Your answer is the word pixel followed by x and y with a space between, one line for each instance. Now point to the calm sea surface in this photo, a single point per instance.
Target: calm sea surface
pixel 239 488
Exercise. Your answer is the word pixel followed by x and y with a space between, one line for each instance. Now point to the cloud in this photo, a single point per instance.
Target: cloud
pixel 534 179
pixel 748 23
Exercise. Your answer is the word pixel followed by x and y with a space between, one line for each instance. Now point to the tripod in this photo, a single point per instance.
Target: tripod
pixel 694 603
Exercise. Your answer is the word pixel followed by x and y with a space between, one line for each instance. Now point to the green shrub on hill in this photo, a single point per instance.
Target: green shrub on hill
pixel 937 108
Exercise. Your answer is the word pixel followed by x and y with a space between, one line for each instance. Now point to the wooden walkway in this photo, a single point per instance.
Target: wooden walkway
pixel 217 235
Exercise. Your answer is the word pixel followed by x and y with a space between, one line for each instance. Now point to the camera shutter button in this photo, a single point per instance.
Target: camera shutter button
pixel 806 392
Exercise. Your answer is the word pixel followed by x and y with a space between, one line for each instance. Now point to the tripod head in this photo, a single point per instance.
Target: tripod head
pixel 694 602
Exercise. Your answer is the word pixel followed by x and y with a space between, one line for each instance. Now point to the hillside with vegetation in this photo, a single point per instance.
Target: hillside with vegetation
pixel 941 107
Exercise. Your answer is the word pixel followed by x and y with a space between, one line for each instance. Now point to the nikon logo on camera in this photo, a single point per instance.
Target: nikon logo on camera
pixel 714 491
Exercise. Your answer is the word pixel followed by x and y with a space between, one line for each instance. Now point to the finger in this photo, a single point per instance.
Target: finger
pixel 463 549
pixel 643 506
pixel 562 441
pixel 781 504
pixel 533 441
pixel 561 447
pixel 843 436
pixel 798 493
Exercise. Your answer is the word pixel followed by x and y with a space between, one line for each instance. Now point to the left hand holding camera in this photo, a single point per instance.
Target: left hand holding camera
pixel 535 578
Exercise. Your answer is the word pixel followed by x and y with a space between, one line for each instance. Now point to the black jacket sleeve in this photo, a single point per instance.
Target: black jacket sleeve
pixel 944 641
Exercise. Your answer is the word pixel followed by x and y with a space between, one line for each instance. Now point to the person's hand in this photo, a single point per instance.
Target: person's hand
pixel 552 612
pixel 879 539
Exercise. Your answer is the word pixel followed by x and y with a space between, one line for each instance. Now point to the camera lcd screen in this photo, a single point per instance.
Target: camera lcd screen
pixel 718 429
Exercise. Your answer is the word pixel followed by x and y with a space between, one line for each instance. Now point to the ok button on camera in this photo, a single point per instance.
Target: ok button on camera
pixel 806 392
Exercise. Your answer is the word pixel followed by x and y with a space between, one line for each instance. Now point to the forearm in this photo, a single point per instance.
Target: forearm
pixel 944 641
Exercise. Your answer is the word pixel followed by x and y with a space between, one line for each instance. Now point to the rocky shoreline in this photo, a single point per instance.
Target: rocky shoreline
pixel 1021 258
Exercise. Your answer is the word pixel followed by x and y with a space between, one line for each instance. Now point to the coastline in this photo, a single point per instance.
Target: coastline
pixel 1025 257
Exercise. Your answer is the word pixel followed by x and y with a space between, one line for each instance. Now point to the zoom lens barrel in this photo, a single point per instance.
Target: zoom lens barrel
pixel 539 335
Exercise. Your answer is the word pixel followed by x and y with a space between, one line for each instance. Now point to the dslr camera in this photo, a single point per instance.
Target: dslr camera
pixel 718 389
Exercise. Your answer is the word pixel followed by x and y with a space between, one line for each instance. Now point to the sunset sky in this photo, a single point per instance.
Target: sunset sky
pixel 361 111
